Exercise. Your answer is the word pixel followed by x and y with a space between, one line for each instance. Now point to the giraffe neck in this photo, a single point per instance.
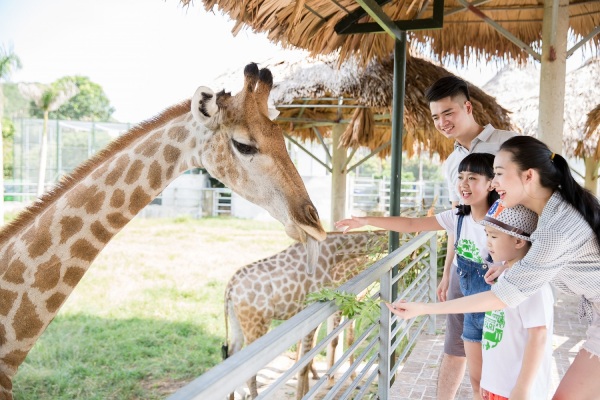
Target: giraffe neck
pixel 45 253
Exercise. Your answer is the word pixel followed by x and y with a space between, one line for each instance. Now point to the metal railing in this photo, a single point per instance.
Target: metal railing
pixel 374 365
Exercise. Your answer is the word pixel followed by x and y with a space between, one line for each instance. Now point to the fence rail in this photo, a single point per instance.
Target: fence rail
pixel 416 280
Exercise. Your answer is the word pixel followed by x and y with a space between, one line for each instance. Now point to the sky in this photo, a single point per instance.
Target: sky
pixel 146 54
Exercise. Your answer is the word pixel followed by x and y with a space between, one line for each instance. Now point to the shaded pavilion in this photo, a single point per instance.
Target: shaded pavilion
pixel 484 30
pixel 349 106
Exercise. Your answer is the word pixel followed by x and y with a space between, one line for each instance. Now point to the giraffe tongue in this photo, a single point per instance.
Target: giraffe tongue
pixel 312 254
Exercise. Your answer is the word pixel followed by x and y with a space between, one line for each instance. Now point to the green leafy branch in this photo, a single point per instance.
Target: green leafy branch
pixel 365 310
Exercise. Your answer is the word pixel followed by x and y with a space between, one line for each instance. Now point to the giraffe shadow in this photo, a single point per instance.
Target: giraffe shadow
pixel 88 357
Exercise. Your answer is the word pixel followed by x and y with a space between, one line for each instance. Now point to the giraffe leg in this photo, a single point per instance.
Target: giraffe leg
pixel 260 329
pixel 303 385
pixel 349 343
pixel 332 323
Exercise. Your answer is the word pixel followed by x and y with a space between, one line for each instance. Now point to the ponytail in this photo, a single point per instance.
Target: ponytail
pixel 555 174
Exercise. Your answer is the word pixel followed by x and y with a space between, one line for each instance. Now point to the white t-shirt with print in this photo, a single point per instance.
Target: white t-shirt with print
pixel 504 341
pixel 472 243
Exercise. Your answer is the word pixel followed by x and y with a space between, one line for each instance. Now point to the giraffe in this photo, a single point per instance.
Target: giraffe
pixel 46 250
pixel 276 288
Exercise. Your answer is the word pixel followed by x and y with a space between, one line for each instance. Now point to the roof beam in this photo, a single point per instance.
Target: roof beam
pixel 583 41
pixel 348 25
pixel 304 149
pixel 383 20
pixel 512 38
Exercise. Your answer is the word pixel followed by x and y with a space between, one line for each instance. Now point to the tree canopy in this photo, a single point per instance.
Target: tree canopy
pixel 89 104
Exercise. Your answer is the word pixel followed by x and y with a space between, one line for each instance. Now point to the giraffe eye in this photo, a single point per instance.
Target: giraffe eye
pixel 245 149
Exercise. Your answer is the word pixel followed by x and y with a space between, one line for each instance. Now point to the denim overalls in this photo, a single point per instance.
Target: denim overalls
pixel 470 275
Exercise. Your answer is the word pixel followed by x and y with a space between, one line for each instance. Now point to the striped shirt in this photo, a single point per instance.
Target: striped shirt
pixel 564 251
pixel 488 141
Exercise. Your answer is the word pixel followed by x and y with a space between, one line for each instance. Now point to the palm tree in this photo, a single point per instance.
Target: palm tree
pixel 8 62
pixel 48 98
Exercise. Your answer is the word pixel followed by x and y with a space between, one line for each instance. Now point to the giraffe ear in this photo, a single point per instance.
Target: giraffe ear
pixel 204 104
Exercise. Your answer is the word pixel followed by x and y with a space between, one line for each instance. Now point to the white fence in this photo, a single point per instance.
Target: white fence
pixel 379 350
pixel 372 196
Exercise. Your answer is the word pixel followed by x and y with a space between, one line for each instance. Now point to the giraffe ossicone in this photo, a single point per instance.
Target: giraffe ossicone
pixel 46 250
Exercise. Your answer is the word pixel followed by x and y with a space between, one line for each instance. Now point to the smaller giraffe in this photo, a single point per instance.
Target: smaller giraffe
pixel 275 288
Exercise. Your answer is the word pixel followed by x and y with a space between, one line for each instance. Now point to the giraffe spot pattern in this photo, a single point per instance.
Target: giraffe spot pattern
pixel 6 258
pixel 47 275
pixel 7 298
pixel 134 172
pixel 26 322
pixel 155 175
pixel 84 250
pixel 100 232
pixel 171 154
pixel 69 227
pixel 90 198
pixel 94 203
pixel 149 146
pixel 117 171
pixel 170 171
pixel 178 133
pixel 118 198
pixel 55 301
pixel 73 275
pixel 148 149
pixel 15 357
pixel 15 272
pixel 139 199
pixel 40 244
pixel 99 172
pixel 117 220
pixel 5 385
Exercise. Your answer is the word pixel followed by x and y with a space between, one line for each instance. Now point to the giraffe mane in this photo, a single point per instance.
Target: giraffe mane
pixel 30 212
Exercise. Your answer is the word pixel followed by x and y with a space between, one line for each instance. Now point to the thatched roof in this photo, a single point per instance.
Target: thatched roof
pixel 517 88
pixel 307 91
pixel 592 128
pixel 310 24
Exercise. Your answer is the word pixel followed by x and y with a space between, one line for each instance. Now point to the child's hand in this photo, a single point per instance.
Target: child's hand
pixel 350 223
pixel 405 310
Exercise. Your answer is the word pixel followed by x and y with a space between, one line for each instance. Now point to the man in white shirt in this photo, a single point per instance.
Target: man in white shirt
pixel 452 113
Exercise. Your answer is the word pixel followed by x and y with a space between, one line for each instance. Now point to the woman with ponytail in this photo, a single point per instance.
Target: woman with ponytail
pixel 565 251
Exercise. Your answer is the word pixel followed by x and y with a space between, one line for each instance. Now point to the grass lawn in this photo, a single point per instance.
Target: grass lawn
pixel 147 317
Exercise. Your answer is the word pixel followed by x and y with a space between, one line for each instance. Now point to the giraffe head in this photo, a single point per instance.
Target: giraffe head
pixel 247 152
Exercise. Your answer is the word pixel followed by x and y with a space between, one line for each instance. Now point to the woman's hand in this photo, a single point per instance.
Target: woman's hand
pixel 494 271
pixel 406 310
pixel 350 223
pixel 442 289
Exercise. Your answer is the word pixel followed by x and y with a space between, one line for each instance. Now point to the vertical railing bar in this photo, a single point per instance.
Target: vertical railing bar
pixel 359 377
pixel 433 278
pixel 356 362
pixel 342 360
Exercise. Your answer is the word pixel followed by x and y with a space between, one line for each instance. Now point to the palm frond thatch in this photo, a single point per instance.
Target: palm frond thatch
pixel 592 128
pixel 310 24
pixel 306 91
pixel 517 88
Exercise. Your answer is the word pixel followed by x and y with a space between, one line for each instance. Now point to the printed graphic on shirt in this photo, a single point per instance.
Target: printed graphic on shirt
pixel 469 250
pixel 493 329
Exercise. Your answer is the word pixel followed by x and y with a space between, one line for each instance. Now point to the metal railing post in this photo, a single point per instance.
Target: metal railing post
pixel 385 332
pixel 432 279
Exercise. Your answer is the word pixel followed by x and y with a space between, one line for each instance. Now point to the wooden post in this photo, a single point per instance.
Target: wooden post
pixel 552 74
pixel 338 176
pixel 591 174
